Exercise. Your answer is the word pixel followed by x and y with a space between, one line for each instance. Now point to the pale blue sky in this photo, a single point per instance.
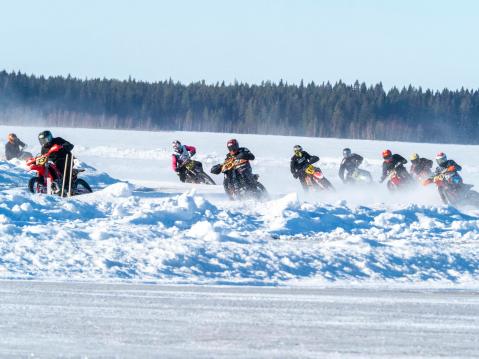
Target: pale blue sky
pixel 429 43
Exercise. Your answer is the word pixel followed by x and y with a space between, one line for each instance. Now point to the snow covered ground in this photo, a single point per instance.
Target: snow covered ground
pixel 141 224
pixel 39 319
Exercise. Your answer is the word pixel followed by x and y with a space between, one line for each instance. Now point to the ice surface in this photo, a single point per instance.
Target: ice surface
pixel 144 321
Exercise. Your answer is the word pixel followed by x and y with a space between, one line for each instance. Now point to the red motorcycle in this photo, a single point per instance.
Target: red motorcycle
pixel 396 182
pixel 452 190
pixel 44 181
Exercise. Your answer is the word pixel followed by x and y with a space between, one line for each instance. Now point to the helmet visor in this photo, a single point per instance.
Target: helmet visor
pixel 441 160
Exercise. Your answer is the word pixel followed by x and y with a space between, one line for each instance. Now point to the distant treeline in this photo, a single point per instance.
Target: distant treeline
pixel 324 110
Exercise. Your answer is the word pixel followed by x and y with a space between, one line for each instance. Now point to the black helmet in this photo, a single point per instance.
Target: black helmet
pixel 347 152
pixel 45 137
pixel 233 145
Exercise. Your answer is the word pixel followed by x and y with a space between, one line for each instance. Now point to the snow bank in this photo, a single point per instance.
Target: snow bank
pixel 112 235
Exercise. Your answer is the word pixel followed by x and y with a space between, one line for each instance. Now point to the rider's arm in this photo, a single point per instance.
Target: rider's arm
pixel 385 172
pixel 358 159
pixel 456 166
pixel 174 163
pixel 313 159
pixel 342 168
pixel 245 155
pixel 292 166
pixel 191 150
pixel 67 146
pixel 400 160
pixel 20 143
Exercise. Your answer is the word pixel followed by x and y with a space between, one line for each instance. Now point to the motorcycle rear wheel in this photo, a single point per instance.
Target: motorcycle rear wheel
pixel 324 182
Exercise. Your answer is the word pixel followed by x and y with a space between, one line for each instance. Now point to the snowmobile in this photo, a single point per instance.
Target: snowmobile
pixel 453 190
pixel 24 155
pixel 195 173
pixel 44 181
pixel 239 182
pixel 314 179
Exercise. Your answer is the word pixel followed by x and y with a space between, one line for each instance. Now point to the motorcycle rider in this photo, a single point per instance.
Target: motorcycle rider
pixel 300 160
pixel 239 153
pixel 14 148
pixel 394 162
pixel 57 149
pixel 420 167
pixel 448 166
pixel 350 164
pixel 181 154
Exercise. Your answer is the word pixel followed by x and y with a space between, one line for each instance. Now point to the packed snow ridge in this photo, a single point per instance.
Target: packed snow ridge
pixel 159 231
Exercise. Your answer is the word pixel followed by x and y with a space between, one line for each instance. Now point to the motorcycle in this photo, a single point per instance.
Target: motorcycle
pixel 359 176
pixel 314 178
pixel 239 181
pixel 194 172
pixel 453 190
pixel 44 181
pixel 423 175
pixel 396 182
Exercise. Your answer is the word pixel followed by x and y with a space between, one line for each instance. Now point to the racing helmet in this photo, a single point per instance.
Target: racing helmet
pixel 387 155
pixel 177 146
pixel 441 158
pixel 232 145
pixel 414 157
pixel 45 137
pixel 298 150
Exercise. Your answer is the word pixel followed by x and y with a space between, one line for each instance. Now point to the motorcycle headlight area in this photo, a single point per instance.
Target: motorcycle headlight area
pixel 41 161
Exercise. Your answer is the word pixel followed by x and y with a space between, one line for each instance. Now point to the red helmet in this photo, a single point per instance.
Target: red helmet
pixel 387 154
pixel 233 146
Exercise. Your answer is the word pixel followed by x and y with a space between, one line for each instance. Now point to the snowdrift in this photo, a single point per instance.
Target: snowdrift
pixel 117 234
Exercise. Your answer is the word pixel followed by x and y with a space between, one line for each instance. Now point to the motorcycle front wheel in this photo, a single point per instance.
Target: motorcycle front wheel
pixel 206 179
pixel 81 187
pixel 36 186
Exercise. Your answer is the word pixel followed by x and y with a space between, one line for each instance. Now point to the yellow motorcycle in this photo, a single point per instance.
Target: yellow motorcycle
pixel 195 174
